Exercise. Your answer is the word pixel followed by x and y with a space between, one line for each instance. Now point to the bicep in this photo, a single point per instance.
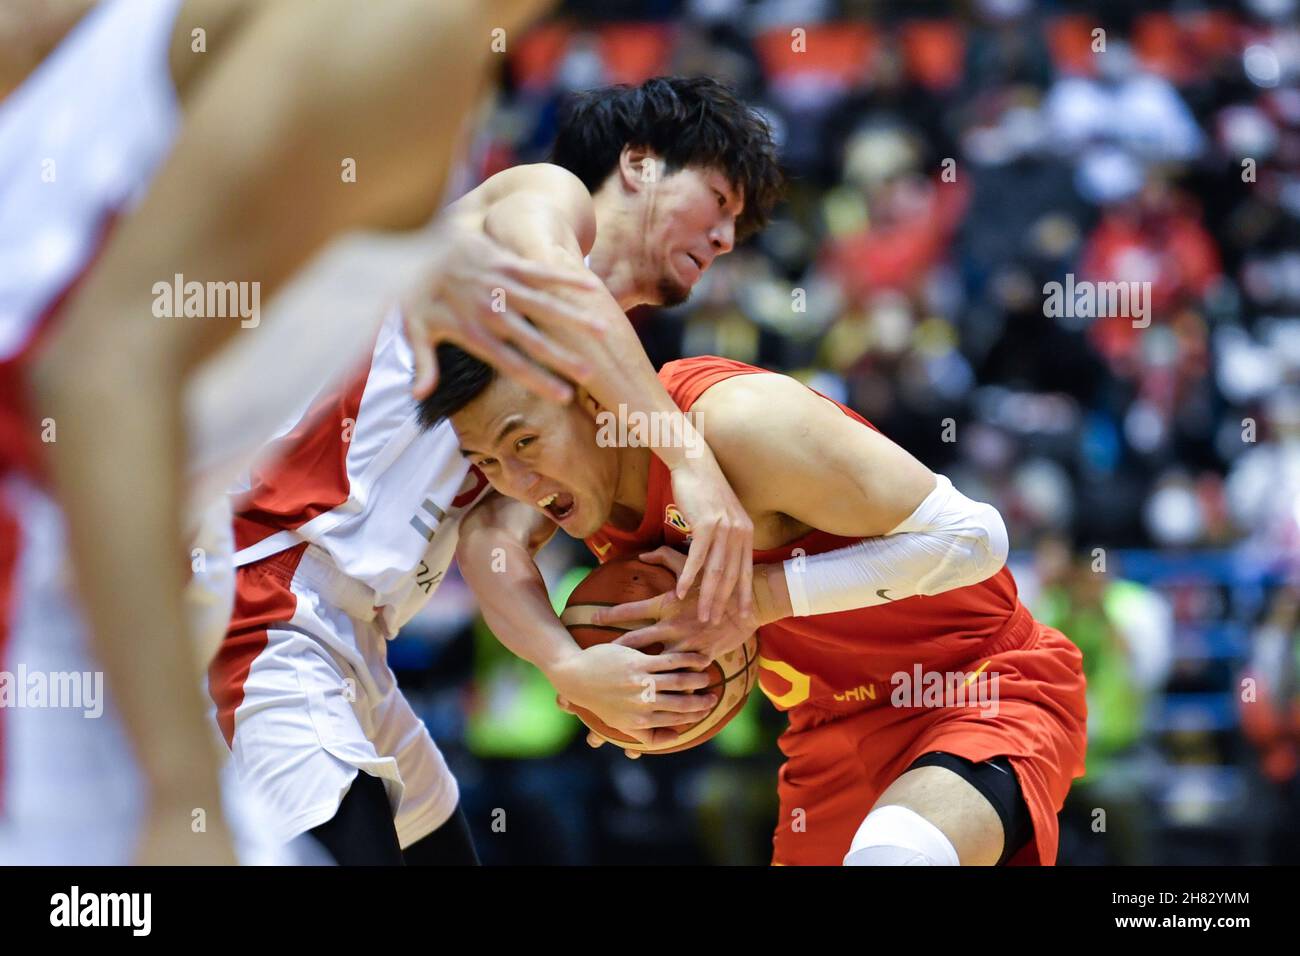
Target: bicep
pixel 787 450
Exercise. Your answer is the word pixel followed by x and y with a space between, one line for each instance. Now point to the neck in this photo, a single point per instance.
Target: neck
pixel 616 253
pixel 632 488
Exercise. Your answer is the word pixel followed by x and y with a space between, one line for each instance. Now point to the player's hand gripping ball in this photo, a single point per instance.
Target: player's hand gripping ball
pixel 628 579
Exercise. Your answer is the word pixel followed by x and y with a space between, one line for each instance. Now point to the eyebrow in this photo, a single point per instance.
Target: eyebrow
pixel 510 424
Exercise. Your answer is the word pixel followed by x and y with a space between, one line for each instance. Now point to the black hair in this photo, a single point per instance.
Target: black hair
pixel 461 379
pixel 686 121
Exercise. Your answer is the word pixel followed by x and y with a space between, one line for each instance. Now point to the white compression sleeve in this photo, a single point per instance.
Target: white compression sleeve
pixel 948 542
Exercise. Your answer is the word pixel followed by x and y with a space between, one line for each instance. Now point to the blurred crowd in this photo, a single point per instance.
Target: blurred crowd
pixel 948 161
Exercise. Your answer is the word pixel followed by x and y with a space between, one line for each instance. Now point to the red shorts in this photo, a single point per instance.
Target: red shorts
pixel 836 771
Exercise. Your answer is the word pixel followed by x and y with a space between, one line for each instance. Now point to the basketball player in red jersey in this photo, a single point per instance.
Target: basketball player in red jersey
pixel 870 573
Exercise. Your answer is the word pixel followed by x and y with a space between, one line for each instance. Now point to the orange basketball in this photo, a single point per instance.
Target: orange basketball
pixel 629 579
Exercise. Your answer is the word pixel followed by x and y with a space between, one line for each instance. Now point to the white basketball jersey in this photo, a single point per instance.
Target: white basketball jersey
pixel 357 477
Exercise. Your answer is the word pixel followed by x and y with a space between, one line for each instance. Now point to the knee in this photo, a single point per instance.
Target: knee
pixel 896 836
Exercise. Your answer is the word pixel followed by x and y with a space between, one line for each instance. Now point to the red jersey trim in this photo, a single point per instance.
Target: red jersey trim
pixel 263 599
pixel 306 474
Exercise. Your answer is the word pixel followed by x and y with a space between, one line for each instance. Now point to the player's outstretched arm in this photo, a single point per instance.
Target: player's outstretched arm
pixel 544 213
pixel 796 458
pixel 498 539
pixel 250 191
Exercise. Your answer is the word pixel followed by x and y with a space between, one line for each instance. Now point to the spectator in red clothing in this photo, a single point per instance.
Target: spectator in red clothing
pixel 1156 238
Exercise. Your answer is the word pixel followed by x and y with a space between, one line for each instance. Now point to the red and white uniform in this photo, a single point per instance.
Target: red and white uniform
pixel 80 141
pixel 832 673
pixel 340 540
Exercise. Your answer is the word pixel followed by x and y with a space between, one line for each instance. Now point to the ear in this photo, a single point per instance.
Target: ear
pixel 639 167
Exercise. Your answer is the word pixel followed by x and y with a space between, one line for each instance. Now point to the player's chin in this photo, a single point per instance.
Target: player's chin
pixel 584 530
pixel 672 292
pixel 588 522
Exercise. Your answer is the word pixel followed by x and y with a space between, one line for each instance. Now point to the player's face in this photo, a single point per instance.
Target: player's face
pixel 540 453
pixel 691 220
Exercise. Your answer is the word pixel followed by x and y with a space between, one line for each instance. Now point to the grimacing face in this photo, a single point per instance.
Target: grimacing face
pixel 690 220
pixel 541 453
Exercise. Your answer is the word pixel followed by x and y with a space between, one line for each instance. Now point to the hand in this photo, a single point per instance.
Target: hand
pixel 455 303
pixel 677 624
pixel 594 739
pixel 722 537
pixel 641 695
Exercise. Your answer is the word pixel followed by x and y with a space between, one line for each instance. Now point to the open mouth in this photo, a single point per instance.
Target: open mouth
pixel 559 505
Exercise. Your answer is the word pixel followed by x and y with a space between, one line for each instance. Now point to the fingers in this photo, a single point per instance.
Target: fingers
pixel 663 737
pixel 732 554
pixel 543 354
pixel 666 636
pixel 681 708
pixel 682 681
pixel 699 550
pixel 550 311
pixel 594 740
pixel 648 609
pixel 710 594
pixel 426 363
pixel 641 638
pixel 678 661
pixel 747 572
pixel 545 351
pixel 541 274
pixel 665 557
pixel 667 719
pixel 513 365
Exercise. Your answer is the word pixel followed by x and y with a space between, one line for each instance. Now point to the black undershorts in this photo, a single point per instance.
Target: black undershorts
pixel 997 781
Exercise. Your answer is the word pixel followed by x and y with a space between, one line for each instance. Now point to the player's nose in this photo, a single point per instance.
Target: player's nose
pixel 723 236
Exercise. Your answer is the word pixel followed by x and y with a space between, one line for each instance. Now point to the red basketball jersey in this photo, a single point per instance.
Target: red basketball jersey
pixel 830 665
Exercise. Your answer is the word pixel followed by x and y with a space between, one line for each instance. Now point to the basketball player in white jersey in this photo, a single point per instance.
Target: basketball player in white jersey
pixel 341 539
pixel 141 140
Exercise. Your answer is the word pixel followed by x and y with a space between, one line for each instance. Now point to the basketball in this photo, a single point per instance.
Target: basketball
pixel 628 579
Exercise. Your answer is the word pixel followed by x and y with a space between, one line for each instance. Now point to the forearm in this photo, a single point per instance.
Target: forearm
pixel 947 543
pixel 514 600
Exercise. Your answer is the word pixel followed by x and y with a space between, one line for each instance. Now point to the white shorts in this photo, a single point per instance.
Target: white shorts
pixel 305 699
pixel 71 792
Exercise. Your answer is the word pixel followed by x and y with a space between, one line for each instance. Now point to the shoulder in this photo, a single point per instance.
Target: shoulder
pixel 555 182
pixel 744 406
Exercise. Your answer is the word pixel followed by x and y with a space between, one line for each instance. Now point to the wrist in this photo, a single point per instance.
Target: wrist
pixel 674 453
pixel 681 444
pixel 558 664
pixel 771 594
